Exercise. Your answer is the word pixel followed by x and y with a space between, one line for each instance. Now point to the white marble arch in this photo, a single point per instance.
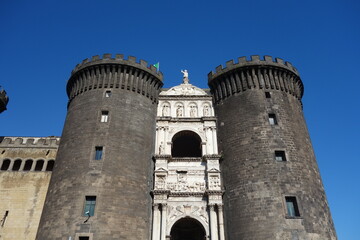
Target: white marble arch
pixel 197 218
pixel 186 128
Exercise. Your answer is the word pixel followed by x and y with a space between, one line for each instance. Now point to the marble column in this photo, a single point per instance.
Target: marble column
pixel 221 222
pixel 156 222
pixel 209 140
pixel 163 221
pixel 214 140
pixel 166 133
pixel 160 135
pixel 213 223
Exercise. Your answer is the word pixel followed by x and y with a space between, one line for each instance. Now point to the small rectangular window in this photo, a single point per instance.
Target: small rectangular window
pixel 104 116
pixel 89 208
pixel 292 207
pixel 272 119
pixel 280 156
pixel 84 238
pixel 267 95
pixel 108 93
pixel 98 152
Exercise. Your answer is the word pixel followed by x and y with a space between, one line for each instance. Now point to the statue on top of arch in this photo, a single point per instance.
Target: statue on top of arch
pixel 185 76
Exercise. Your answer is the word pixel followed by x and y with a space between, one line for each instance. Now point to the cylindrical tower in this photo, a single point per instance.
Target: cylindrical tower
pixel 100 187
pixel 4 99
pixel 273 188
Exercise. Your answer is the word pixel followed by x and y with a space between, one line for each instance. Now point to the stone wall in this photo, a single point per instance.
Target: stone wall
pixel 256 182
pixel 22 195
pixel 23 189
pixel 121 179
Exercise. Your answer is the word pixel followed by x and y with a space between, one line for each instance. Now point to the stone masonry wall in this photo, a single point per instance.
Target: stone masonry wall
pixel 22 192
pixel 121 180
pixel 256 184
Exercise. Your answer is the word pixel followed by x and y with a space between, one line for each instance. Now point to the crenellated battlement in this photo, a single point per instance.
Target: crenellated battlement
pixel 255 60
pixel 118 59
pixel 117 72
pixel 260 73
pixel 26 142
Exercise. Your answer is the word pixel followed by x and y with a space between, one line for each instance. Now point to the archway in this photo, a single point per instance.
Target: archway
pixel 187 229
pixel 186 144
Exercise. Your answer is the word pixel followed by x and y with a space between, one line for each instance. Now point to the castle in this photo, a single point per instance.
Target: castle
pixel 136 161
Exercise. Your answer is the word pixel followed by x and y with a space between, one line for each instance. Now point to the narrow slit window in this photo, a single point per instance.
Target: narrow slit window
pixel 104 116
pixel 280 156
pixel 292 207
pixel 108 93
pixel 84 238
pixel 272 119
pixel 98 152
pixel 89 208
pixel 267 95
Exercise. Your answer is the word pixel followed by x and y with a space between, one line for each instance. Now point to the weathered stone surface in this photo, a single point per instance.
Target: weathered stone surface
pixel 22 192
pixel 256 184
pixel 121 179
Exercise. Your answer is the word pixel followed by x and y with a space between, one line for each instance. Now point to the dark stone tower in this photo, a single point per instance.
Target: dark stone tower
pixel 101 181
pixel 4 99
pixel 273 186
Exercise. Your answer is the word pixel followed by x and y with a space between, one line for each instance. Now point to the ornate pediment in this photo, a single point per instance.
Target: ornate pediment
pixel 184 89
pixel 159 170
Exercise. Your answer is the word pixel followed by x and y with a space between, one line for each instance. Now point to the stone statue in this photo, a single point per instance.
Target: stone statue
pixel 165 111
pixel 179 111
pixel 192 111
pixel 185 76
pixel 161 148
pixel 206 110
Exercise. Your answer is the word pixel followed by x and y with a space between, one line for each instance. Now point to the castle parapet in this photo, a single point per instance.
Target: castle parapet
pixel 261 73
pixel 117 72
pixel 32 142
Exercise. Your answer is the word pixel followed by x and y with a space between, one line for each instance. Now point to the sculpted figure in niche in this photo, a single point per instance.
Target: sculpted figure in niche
pixel 165 110
pixel 192 111
pixel 161 148
pixel 160 183
pixel 179 111
pixel 185 76
pixel 206 110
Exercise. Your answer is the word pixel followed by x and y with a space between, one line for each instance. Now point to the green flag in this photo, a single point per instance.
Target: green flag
pixel 157 65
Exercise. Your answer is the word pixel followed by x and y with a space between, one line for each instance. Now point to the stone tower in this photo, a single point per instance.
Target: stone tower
pixel 100 186
pixel 4 99
pixel 273 189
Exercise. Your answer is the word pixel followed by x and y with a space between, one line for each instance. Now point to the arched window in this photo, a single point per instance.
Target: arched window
pixel 5 165
pixel 17 165
pixel 50 165
pixel 28 165
pixel 186 144
pixel 39 165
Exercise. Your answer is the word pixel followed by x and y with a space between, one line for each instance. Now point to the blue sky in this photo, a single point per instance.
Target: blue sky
pixel 42 41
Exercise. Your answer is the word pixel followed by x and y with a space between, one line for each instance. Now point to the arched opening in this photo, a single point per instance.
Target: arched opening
pixel 28 165
pixel 50 165
pixel 39 165
pixel 17 165
pixel 5 165
pixel 186 144
pixel 187 229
